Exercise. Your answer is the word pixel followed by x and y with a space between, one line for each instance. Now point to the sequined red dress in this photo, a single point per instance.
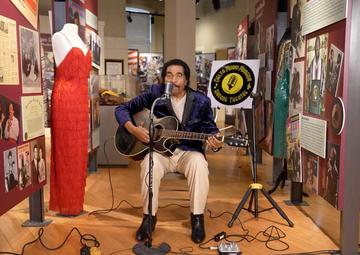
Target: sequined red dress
pixel 69 133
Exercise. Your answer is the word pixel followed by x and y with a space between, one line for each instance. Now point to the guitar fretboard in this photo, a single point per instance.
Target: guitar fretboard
pixel 175 134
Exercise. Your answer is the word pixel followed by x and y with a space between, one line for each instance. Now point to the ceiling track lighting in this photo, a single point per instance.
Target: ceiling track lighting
pixel 128 16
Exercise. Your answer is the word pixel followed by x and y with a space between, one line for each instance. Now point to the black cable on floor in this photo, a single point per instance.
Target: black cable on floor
pixel 84 240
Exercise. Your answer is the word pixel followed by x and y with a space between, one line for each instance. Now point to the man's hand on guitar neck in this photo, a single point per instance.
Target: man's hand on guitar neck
pixel 214 143
pixel 141 133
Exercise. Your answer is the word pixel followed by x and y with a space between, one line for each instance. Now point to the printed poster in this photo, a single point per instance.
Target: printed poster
pixel 32 109
pixel 241 43
pixel 233 82
pixel 203 63
pixel 296 16
pixel 9 71
pixel 316 60
pixel 334 68
pixel 28 8
pixel 25 177
pixel 296 88
pixel 311 171
pixel 30 61
pixel 293 149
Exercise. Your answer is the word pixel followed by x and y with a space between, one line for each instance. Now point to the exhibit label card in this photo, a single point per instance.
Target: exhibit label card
pixel 313 135
pixel 9 71
pixel 32 109
pixel 322 13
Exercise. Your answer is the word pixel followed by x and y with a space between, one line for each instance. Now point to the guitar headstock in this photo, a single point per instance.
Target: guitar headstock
pixel 236 140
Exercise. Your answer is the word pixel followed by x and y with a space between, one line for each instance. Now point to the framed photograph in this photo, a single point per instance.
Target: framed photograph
pixel 114 66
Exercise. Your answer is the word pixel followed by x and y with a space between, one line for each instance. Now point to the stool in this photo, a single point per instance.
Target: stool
pixel 177 193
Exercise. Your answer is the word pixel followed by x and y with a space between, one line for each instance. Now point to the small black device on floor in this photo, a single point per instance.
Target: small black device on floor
pixel 229 249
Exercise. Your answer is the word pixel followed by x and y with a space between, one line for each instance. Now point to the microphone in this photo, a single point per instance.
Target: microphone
pixel 168 90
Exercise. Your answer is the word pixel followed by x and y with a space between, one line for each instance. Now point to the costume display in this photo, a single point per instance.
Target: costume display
pixel 70 120
pixel 281 99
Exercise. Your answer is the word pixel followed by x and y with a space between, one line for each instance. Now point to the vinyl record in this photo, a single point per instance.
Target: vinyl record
pixel 337 115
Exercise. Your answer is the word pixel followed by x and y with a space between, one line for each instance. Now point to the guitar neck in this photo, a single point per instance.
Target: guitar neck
pixel 185 135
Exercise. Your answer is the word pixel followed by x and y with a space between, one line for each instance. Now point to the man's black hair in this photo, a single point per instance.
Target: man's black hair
pixel 176 62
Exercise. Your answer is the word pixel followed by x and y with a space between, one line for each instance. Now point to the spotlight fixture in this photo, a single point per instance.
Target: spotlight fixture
pixel 197 2
pixel 129 19
pixel 152 19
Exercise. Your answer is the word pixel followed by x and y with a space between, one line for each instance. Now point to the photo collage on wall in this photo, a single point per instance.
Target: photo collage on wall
pixel 26 67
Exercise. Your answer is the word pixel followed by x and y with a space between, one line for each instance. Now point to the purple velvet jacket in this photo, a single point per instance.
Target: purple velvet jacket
pixel 197 116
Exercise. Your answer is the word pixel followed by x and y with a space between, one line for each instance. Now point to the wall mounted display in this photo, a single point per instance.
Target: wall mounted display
pixel 310 173
pixel 296 89
pixel 203 62
pixel 9 121
pixel 337 115
pixel 32 109
pixel 293 150
pixel 25 176
pixel 9 70
pixel 334 67
pixel 296 16
pixel 242 38
pixel 329 179
pixel 30 60
pixel 93 41
pixel 10 169
pixel 48 68
pixel 28 8
pixel 313 135
pixel 76 14
pixel 114 66
pixel 37 163
pixel 316 60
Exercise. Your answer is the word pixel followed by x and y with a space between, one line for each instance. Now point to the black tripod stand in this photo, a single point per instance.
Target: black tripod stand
pixel 255 187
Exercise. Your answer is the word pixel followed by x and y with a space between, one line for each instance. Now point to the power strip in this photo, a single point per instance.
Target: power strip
pixel 229 249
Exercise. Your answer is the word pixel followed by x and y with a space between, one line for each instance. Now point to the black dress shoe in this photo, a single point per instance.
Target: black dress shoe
pixel 143 231
pixel 197 227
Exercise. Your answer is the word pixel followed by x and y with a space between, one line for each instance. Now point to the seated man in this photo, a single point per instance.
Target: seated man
pixel 194 113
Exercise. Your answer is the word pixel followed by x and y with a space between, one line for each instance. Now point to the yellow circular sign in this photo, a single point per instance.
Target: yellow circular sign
pixel 232 83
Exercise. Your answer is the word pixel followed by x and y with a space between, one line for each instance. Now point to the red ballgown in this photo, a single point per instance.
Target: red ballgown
pixel 69 133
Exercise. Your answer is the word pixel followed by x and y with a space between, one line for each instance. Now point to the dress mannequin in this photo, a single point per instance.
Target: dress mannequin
pixel 69 122
pixel 66 39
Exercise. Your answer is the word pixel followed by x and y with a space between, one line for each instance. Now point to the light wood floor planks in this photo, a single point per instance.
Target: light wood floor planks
pixel 230 176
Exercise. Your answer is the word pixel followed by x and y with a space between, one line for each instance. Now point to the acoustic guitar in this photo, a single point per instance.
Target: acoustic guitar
pixel 166 135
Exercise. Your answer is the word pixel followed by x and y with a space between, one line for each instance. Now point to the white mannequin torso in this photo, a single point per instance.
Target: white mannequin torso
pixel 66 39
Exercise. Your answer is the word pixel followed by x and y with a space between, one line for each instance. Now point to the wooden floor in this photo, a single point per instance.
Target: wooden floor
pixel 229 178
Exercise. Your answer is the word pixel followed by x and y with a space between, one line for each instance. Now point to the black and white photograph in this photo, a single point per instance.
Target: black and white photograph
pixel 10 169
pixel 331 178
pixel 30 60
pixel 296 16
pixel 37 163
pixel 334 68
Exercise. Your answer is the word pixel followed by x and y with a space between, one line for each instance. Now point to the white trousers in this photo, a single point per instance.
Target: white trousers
pixel 190 163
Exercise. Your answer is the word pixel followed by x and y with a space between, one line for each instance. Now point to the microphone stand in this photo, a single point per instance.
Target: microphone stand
pixel 146 248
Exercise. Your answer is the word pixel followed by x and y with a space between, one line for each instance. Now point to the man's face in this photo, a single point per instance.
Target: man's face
pixel 317 48
pixel 36 154
pixel 175 74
